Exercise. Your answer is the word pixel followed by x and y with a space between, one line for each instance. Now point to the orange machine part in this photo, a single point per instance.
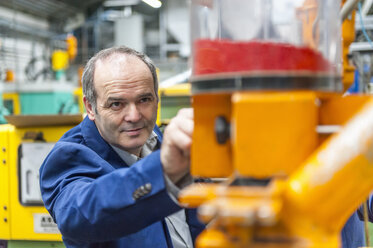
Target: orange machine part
pixel 273 133
pixel 9 76
pixel 308 14
pixel 348 36
pixel 337 110
pixel 210 159
pixel 72 46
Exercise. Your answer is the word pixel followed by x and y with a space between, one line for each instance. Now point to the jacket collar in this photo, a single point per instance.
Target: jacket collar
pixel 94 141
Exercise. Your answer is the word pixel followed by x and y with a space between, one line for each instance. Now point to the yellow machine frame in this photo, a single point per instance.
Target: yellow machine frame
pixel 17 221
pixel 14 97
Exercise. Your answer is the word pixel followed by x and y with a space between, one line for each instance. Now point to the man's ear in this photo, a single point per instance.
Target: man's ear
pixel 89 108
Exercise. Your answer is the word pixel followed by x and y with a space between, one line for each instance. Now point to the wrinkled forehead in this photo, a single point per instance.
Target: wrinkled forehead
pixel 120 66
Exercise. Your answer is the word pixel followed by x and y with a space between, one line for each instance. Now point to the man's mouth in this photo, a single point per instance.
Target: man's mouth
pixel 133 131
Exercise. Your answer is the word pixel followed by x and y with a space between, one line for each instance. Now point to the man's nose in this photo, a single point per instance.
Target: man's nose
pixel 132 114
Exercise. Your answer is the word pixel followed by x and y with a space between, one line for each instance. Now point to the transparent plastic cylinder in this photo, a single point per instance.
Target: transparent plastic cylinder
pixel 266 44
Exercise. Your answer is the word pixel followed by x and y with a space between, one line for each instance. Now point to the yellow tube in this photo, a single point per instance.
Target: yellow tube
pixel 336 178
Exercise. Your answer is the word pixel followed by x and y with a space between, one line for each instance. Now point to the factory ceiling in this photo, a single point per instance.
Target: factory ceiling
pixel 53 10
pixel 57 10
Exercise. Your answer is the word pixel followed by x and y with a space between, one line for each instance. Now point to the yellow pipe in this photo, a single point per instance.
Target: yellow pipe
pixel 335 179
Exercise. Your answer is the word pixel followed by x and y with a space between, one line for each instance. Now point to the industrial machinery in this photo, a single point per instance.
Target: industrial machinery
pixel 40 98
pixel 3 111
pixel 47 89
pixel 25 143
pixel 267 92
pixel 172 99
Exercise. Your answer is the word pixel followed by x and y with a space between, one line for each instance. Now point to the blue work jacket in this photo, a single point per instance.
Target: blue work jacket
pixel 88 189
pixel 353 232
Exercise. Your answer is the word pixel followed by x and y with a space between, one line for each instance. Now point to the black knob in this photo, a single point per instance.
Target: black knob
pixel 222 128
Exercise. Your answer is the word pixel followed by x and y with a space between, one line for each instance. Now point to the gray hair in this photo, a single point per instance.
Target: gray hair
pixel 88 75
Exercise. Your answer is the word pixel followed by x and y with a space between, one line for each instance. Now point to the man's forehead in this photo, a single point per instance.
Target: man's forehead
pixel 119 64
pixel 117 58
pixel 117 67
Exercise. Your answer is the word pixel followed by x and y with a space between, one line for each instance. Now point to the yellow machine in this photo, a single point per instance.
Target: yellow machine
pixel 78 98
pixel 266 98
pixel 25 223
pixel 172 99
pixel 11 101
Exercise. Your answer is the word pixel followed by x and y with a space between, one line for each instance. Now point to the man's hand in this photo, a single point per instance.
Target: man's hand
pixel 177 140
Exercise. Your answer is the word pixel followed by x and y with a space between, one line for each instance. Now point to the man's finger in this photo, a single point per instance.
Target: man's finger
pixel 184 125
pixel 186 113
pixel 179 139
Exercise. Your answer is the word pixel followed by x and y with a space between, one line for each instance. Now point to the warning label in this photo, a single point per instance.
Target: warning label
pixel 43 223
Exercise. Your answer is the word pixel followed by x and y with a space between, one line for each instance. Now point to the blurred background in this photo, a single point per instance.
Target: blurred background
pixel 44 45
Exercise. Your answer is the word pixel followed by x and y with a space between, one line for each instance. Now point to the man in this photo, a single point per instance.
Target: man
pixel 353 233
pixel 105 183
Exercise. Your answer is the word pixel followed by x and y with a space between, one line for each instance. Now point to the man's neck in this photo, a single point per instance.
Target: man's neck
pixel 134 155
pixel 135 151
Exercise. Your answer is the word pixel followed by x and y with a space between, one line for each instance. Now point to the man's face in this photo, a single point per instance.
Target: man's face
pixel 126 102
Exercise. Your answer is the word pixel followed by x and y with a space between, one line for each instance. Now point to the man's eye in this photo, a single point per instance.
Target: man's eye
pixel 145 99
pixel 115 105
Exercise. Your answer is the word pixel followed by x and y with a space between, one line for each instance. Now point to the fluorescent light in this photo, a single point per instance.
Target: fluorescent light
pixel 154 3
pixel 120 3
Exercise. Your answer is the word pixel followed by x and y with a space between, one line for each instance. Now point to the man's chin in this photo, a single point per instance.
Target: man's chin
pixel 131 145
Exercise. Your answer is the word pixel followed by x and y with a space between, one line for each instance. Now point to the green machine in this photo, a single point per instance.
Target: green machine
pixel 3 111
pixel 40 98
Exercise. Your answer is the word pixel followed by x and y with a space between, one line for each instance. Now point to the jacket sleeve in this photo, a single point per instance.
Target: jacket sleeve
pixel 91 201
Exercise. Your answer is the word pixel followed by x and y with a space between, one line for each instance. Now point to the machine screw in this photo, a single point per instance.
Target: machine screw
pixel 5 220
pixel 222 129
pixel 4 149
pixel 4 161
pixel 5 207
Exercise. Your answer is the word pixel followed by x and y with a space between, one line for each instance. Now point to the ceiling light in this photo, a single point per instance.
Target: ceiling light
pixel 120 3
pixel 154 3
